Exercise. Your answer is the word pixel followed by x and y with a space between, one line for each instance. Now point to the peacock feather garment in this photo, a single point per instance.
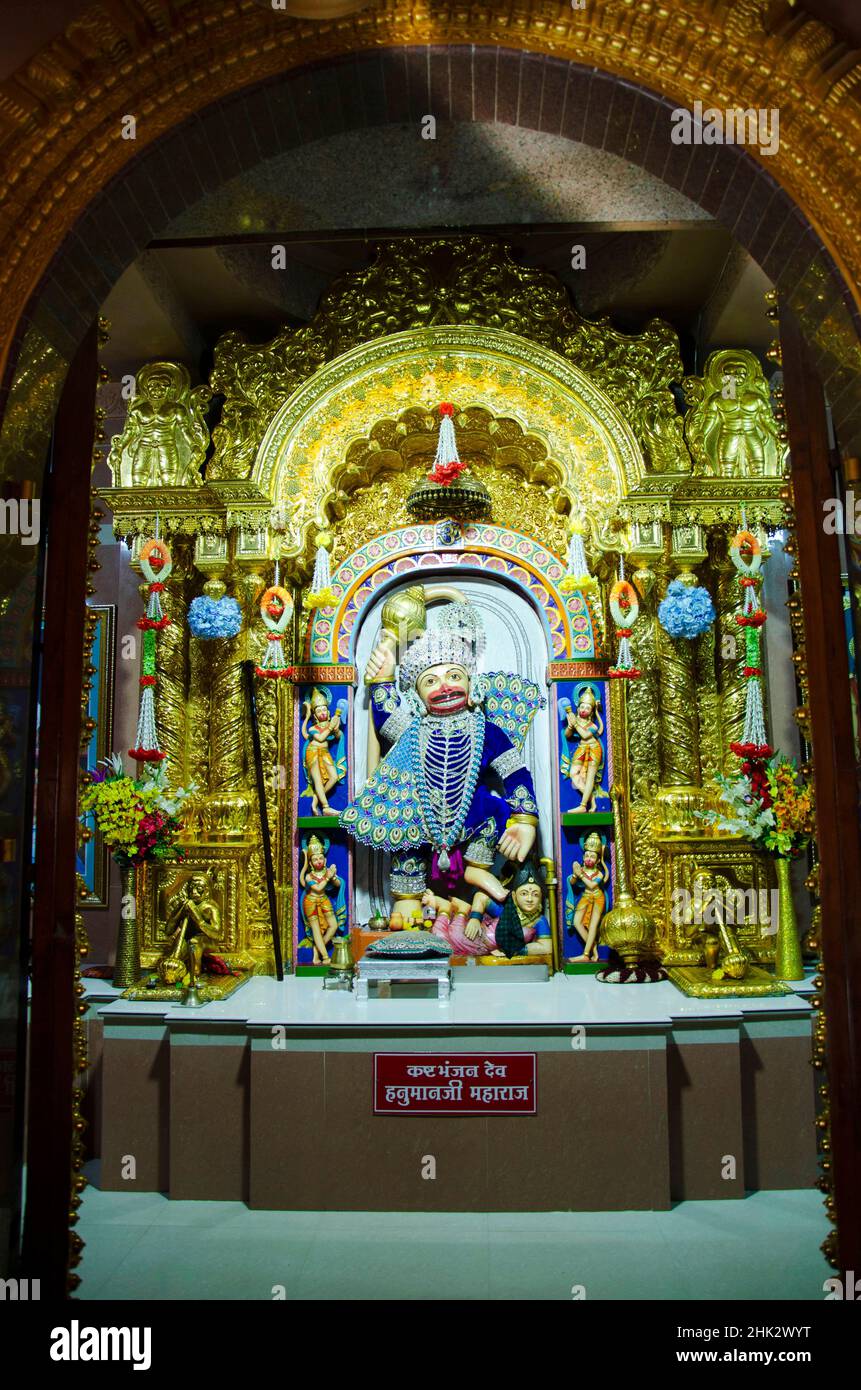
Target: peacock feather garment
pixel 436 786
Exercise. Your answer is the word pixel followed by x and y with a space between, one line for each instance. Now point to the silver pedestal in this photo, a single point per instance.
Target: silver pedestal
pixel 388 970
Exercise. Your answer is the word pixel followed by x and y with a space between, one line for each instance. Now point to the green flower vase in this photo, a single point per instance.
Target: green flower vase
pixel 127 966
pixel 788 962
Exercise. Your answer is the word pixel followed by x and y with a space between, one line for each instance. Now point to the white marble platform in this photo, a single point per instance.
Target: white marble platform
pixel 564 1001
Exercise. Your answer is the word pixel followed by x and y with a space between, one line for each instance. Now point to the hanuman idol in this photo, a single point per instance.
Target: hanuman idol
pixel 452 800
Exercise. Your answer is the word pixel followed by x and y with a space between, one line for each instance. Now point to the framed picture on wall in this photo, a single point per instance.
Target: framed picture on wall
pixel 93 863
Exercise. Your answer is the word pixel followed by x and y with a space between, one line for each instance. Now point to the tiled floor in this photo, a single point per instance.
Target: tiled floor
pixel 143 1246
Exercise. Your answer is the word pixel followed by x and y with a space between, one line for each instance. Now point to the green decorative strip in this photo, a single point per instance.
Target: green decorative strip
pixel 584 967
pixel 317 822
pixel 586 818
pixel 313 969
pixel 148 659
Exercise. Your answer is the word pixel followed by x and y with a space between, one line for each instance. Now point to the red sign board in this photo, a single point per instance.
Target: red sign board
pixel 454 1083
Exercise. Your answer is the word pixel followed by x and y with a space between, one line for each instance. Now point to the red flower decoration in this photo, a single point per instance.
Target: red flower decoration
pixel 445 473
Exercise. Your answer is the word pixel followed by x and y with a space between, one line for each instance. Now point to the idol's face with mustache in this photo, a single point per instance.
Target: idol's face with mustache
pixel 444 689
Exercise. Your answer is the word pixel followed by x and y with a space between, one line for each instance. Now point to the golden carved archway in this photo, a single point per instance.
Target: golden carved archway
pixel 62 116
pixel 596 456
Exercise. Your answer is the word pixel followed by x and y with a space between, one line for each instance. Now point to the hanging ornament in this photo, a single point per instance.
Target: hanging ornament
pixel 276 610
pixel 624 607
pixel 578 576
pixel 447 463
pixel 156 564
pixel 686 610
pixel 746 554
pixel 322 594
pixel 213 615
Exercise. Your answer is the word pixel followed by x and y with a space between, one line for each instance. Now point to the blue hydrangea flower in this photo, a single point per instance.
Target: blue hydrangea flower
pixel 214 617
pixel 686 612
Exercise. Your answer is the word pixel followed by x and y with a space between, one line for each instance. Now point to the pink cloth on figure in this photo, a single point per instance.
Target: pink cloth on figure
pixel 453 930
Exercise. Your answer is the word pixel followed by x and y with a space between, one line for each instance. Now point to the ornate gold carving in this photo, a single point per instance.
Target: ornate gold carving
pixel 636 372
pixel 61 146
pixel 416 285
pixel 680 752
pixel 730 427
pixel 504 375
pixel 182 511
pixel 165 437
pixel 225 816
pixel 736 863
pixel 697 983
pixel 225 867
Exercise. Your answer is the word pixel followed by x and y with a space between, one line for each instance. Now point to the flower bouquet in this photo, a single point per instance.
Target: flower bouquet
pixel 686 611
pixel 140 820
pixel 771 807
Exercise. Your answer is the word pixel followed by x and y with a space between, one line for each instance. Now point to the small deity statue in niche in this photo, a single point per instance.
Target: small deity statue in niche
pixel 194 921
pixel 730 428
pixel 324 766
pixel 452 800
pixel 706 917
pixel 585 764
pixel 586 899
pixel 514 928
pixel 165 437
pixel 322 902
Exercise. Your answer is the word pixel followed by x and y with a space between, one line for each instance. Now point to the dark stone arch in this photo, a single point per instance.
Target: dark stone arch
pixel 458 84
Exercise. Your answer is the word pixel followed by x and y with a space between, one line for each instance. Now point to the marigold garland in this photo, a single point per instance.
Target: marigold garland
pixel 276 610
pixel 746 554
pixel 625 608
pixel 156 563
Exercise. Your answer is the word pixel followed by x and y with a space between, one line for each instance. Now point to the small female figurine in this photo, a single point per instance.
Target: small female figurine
pixel 320 883
pixel 586 763
pixel 584 916
pixel 321 768
pixel 517 926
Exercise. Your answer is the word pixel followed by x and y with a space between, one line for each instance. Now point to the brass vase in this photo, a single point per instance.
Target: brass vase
pixel 342 956
pixel 626 929
pixel 788 961
pixel 127 966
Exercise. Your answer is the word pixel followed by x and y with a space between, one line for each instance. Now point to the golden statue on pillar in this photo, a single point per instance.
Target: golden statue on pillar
pixel 165 437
